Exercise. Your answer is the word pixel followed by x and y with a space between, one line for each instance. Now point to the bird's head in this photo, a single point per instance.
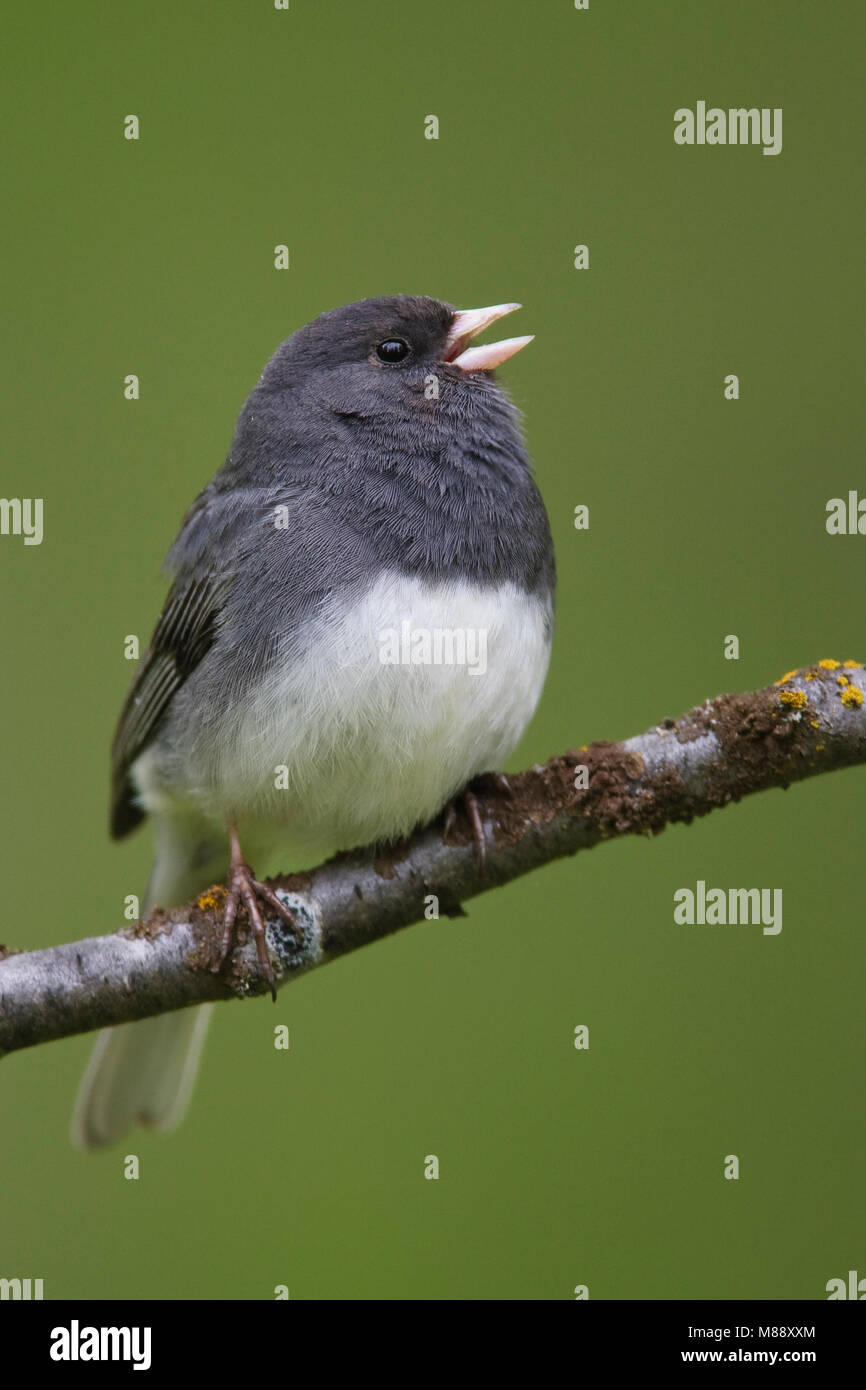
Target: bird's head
pixel 391 353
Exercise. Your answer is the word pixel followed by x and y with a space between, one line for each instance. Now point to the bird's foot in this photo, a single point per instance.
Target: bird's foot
pixel 244 887
pixel 476 825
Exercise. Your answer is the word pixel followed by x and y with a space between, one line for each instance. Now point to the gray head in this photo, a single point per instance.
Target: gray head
pixel 394 367
pixel 386 348
pixel 385 409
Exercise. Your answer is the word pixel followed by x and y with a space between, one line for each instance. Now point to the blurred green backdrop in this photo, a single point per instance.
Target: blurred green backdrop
pixel 155 257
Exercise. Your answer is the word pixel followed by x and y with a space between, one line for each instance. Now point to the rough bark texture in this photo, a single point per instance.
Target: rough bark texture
pixel 810 721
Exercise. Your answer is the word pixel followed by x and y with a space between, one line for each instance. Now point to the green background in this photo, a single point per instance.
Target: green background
pixel 558 1167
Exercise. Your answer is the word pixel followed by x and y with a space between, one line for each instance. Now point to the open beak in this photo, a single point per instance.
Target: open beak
pixel 467 324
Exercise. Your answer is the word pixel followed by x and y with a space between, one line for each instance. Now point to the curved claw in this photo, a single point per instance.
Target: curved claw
pixel 245 888
pixel 473 812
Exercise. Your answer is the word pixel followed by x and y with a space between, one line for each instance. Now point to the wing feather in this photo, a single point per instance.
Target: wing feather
pixel 185 632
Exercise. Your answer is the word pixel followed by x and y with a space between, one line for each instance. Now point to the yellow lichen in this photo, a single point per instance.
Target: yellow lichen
pixel 794 698
pixel 211 899
pixel 811 676
pixel 783 680
pixel 852 665
pixel 852 698
pixel 842 680
pixel 829 664
pixel 815 723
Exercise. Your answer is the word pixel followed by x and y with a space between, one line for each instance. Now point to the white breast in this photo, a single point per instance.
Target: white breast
pixel 383 720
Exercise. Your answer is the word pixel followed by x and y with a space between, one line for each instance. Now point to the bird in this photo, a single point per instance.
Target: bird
pixel 377 492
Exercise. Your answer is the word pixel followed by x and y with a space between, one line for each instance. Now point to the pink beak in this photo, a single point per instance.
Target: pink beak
pixel 466 324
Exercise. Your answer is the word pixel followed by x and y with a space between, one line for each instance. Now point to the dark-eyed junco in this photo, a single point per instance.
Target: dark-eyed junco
pixel 359 623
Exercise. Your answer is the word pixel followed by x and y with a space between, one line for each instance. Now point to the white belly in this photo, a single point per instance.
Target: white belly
pixel 382 721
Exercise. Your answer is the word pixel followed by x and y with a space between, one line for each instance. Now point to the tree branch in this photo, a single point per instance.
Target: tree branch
pixel 811 721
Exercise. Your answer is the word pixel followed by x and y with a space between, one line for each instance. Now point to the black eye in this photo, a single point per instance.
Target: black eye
pixel 392 350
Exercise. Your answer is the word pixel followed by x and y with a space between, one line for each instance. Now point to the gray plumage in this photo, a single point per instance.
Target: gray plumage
pixel 359 494
pixel 373 474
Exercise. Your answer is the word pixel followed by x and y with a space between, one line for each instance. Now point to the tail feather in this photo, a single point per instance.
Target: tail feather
pixel 144 1072
pixel 139 1073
